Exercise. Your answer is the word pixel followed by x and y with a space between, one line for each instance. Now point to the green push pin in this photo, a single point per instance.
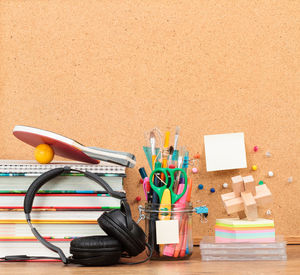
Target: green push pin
pixel 261 182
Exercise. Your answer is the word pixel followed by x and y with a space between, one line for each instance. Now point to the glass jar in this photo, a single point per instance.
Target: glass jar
pixel 169 230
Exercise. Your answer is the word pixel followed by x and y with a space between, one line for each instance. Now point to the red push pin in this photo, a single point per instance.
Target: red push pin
pixel 197 156
pixel 138 198
pixel 141 181
pixel 255 148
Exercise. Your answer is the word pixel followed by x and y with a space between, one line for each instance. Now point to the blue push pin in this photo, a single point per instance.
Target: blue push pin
pixel 212 190
pixel 200 186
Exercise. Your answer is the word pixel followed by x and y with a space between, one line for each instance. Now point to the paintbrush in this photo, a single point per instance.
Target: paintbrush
pixel 152 145
pixel 175 154
pixel 171 151
pixel 176 137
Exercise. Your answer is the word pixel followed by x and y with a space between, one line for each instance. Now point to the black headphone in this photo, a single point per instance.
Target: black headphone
pixel 124 234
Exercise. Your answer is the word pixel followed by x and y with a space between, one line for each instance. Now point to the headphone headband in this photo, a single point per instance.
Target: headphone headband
pixel 43 179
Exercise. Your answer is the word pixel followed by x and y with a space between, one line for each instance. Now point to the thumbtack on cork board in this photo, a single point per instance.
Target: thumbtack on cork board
pixel 225 152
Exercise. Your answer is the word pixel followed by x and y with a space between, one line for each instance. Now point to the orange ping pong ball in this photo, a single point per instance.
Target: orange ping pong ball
pixel 43 153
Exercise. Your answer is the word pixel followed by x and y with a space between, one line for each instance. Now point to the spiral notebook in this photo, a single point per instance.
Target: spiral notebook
pixel 31 167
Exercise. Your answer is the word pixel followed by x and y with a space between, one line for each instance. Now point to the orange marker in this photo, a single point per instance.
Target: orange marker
pixel 184 228
pixel 181 238
pixel 183 247
pixel 189 190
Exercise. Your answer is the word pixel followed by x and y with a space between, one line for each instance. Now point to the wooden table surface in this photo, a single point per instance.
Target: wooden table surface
pixel 188 267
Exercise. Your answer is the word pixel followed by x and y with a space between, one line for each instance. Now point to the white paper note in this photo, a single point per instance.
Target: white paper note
pixel 167 232
pixel 225 152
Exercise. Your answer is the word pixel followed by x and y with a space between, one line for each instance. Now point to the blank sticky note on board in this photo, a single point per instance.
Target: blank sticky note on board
pixel 167 232
pixel 225 152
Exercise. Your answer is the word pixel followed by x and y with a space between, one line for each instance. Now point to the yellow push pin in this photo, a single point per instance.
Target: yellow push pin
pixel 43 153
pixel 254 167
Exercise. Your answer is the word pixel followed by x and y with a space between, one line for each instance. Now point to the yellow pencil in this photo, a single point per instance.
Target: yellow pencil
pixel 165 151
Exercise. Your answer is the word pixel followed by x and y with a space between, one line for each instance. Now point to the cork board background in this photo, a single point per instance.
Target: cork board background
pixel 105 72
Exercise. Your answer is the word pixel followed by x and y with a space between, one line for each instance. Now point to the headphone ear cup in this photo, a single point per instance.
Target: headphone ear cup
pixel 114 224
pixel 95 250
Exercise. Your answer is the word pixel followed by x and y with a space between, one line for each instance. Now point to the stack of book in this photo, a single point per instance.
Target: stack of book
pixel 66 207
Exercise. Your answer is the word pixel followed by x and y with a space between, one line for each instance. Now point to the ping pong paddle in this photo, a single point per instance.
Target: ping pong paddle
pixel 71 149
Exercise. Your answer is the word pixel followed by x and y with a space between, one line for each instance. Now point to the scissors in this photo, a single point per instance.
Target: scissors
pixel 168 186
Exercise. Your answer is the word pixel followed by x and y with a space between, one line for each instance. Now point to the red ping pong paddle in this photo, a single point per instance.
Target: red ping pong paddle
pixel 71 149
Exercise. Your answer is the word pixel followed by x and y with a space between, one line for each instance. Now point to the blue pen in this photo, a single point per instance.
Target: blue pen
pixel 143 172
